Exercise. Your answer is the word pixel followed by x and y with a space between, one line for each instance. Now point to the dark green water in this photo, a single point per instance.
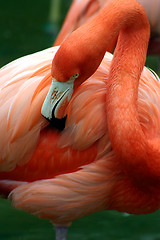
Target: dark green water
pixel 24 29
pixel 108 225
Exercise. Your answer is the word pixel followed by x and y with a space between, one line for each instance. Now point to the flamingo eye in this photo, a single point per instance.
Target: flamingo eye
pixel 74 77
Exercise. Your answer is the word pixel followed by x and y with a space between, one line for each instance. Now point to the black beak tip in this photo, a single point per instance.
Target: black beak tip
pixel 56 123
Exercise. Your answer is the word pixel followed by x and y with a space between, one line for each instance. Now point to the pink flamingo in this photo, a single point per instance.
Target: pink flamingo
pixel 107 157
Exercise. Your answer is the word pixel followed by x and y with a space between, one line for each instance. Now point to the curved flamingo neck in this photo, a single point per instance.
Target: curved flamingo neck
pixel 127 20
pixel 89 43
pixel 139 157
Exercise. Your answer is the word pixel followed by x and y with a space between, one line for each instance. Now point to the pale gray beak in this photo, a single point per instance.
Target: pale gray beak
pixel 57 99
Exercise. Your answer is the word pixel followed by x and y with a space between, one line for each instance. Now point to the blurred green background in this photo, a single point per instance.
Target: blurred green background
pixel 25 27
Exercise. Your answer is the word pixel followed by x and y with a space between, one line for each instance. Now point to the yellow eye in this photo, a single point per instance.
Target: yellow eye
pixel 75 75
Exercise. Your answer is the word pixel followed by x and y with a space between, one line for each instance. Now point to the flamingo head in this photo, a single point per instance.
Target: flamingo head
pixel 65 79
pixel 75 61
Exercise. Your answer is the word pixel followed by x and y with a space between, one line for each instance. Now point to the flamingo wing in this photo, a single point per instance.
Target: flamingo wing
pixel 20 103
pixel 29 149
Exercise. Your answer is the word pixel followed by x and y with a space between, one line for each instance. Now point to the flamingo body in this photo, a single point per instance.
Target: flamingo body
pixel 98 178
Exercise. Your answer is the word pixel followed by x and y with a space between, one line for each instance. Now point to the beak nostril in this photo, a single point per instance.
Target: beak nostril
pixel 59 99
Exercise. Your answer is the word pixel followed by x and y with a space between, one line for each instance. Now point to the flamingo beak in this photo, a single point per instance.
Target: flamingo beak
pixel 57 99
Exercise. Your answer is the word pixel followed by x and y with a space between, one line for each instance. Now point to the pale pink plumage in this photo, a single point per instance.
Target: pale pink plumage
pixel 20 109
